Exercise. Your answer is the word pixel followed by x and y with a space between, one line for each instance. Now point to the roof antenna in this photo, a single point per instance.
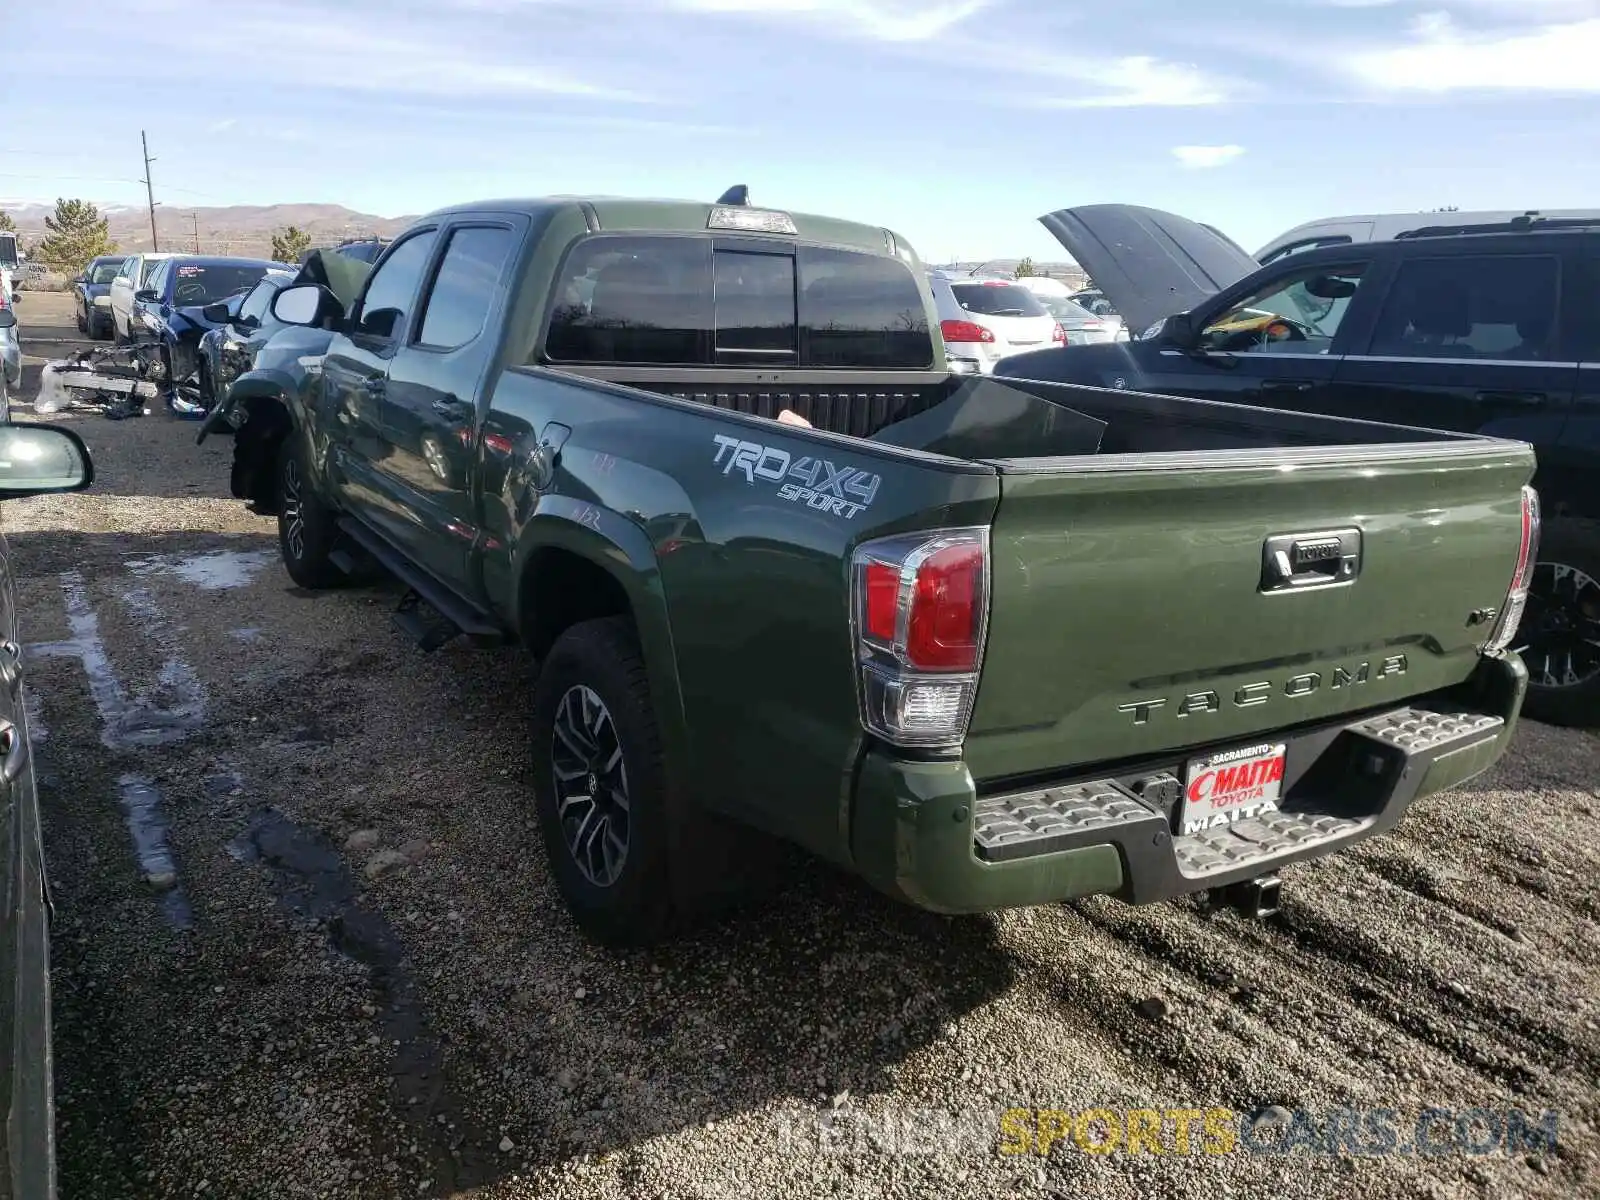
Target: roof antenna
pixel 737 194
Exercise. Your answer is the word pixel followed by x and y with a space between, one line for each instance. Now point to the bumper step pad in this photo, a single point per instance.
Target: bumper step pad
pixel 1395 748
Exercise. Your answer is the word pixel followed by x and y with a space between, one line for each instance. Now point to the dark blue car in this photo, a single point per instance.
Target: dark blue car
pixel 91 293
pixel 169 314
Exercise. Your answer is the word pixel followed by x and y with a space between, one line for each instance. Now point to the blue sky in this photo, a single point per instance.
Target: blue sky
pixel 956 122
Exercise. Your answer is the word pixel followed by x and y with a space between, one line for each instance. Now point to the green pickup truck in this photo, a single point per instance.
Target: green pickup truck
pixel 984 644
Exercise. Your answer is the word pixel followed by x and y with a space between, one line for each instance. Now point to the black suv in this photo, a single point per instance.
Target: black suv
pixel 1492 329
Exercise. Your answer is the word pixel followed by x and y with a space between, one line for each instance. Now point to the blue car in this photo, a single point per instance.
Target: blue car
pixel 169 314
pixel 91 293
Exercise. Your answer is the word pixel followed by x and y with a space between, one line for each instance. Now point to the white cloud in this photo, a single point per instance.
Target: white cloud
pixel 879 20
pixel 1201 157
pixel 1137 81
pixel 1443 57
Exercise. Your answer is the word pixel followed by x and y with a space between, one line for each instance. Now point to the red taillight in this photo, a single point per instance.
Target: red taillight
pixel 946 610
pixel 1516 601
pixel 882 613
pixel 964 331
pixel 920 604
pixel 1059 334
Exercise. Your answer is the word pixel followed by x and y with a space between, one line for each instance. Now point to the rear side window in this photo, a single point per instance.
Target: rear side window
pixel 465 287
pixel 998 300
pixel 1480 306
pixel 863 311
pixel 678 301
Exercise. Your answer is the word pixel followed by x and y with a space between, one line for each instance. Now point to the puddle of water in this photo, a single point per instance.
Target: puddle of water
pixel 141 722
pixel 141 805
pixel 212 572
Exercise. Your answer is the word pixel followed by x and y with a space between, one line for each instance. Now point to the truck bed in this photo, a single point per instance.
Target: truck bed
pixel 1011 419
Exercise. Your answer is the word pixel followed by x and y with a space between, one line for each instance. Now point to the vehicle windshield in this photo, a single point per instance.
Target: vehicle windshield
pixel 998 300
pixel 105 272
pixel 1063 309
pixel 202 283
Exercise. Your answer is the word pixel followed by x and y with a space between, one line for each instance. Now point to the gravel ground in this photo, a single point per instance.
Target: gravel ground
pixel 306 943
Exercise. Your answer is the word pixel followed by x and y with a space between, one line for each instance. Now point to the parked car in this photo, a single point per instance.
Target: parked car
pixel 983 320
pixel 1490 329
pixel 171 311
pixel 34 460
pixel 242 324
pixel 91 292
pixel 1020 642
pixel 130 277
pixel 10 350
pixel 1082 327
pixel 1378 227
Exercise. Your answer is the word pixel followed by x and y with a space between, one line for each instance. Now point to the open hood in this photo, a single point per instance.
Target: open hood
pixel 1148 263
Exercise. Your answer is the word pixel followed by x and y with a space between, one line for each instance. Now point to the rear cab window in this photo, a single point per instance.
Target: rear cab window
pixel 692 300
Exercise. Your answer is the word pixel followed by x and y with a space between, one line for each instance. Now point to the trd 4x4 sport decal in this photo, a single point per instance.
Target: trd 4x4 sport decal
pixel 814 482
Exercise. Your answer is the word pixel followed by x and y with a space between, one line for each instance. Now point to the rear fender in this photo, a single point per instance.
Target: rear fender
pixel 623 551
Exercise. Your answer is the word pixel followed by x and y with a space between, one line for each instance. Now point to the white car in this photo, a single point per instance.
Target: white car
pixel 135 273
pixel 983 320
pixel 10 352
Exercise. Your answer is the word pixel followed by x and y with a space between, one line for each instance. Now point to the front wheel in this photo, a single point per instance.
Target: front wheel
pixel 83 321
pixel 306 526
pixel 1560 632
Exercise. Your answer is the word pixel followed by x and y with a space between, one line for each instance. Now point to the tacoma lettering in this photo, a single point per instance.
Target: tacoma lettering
pixel 1250 694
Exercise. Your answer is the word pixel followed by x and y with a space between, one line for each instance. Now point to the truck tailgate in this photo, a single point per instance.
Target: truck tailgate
pixel 1138 609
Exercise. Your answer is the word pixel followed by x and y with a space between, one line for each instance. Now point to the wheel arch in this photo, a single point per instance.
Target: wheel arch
pixel 575 562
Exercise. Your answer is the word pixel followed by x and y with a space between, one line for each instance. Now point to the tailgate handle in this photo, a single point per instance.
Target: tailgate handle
pixel 1295 562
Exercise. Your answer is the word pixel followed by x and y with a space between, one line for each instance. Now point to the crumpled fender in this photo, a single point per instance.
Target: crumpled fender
pixel 267 383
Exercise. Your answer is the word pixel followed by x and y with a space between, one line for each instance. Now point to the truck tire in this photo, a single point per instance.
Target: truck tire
pixel 306 526
pixel 1561 625
pixel 600 788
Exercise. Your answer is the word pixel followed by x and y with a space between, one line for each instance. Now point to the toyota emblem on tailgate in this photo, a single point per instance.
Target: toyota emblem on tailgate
pixel 1298 561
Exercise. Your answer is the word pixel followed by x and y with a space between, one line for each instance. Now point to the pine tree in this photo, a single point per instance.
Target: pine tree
pixel 77 233
pixel 289 244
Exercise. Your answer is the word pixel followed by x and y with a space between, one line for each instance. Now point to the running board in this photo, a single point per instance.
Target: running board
pixel 429 612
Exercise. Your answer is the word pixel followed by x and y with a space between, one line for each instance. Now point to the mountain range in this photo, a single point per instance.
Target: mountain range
pixel 242 229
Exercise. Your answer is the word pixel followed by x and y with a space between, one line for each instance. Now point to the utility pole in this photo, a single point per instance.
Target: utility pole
pixel 195 217
pixel 149 191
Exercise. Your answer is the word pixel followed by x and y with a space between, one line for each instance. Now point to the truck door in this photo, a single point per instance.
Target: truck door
pixel 1275 344
pixel 437 392
pixel 1469 341
pixel 355 380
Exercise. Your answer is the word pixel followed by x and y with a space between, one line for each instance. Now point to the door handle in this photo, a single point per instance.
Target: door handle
pixel 1525 399
pixel 10 666
pixel 13 751
pixel 1286 385
pixel 453 408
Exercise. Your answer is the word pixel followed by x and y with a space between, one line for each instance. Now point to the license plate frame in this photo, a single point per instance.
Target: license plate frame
pixel 1229 786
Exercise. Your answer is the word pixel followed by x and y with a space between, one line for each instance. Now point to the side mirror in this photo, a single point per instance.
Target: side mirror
pixel 305 304
pixel 39 459
pixel 80 279
pixel 1179 331
pixel 145 294
pixel 8 319
pixel 217 313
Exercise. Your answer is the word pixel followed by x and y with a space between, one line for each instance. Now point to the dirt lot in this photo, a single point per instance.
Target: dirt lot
pixel 306 943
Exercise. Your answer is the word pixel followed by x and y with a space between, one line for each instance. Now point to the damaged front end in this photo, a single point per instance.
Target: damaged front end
pixel 117 381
